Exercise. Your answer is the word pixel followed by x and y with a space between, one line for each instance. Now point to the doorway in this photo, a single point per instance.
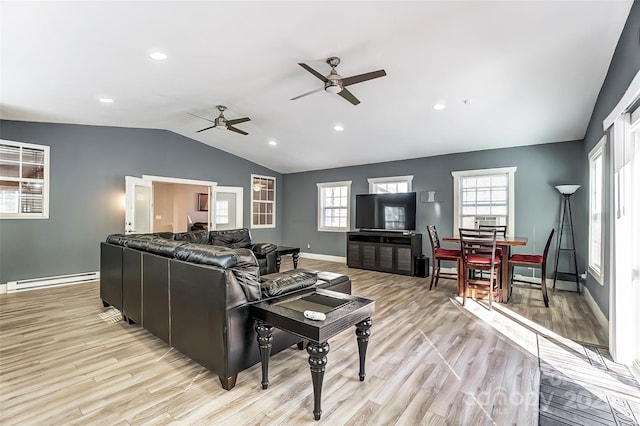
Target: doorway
pixel 165 204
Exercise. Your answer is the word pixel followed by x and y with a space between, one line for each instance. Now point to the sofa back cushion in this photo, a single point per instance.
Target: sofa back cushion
pixel 164 247
pixel 233 238
pixel 197 237
pixel 222 257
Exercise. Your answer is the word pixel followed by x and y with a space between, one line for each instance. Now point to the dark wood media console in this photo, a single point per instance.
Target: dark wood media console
pixel 383 251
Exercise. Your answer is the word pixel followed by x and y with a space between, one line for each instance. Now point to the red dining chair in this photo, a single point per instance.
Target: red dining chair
pixel 439 254
pixel 478 253
pixel 533 261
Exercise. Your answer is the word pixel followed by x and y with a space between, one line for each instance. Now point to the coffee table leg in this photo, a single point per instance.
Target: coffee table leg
pixel 265 337
pixel 295 257
pixel 278 262
pixel 363 331
pixel 317 362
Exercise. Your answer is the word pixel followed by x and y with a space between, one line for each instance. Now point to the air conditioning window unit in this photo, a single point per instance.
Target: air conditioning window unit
pixel 486 220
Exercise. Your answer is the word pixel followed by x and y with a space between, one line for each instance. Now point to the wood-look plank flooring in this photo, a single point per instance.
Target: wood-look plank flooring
pixel 64 359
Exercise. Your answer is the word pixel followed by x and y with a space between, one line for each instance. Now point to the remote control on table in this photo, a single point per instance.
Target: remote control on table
pixel 316 316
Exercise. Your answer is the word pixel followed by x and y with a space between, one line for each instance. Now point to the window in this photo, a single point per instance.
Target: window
pixel 391 185
pixel 334 206
pixel 222 212
pixel 263 201
pixel 484 197
pixel 24 180
pixel 596 186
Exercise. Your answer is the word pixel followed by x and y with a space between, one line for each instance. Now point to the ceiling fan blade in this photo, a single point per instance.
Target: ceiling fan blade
pixel 237 121
pixel 207 128
pixel 314 72
pixel 349 96
pixel 233 129
pixel 201 117
pixel 362 77
pixel 308 93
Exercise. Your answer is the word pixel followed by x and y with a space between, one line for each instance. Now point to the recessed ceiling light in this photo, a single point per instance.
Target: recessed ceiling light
pixel 273 143
pixel 338 128
pixel 106 100
pixel 158 56
pixel 439 107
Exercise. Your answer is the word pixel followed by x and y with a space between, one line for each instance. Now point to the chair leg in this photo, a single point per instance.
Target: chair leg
pixel 436 269
pixel 436 274
pixel 464 288
pixel 543 286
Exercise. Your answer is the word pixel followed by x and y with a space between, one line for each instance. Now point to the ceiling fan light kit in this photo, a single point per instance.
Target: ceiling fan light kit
pixel 336 84
pixel 221 123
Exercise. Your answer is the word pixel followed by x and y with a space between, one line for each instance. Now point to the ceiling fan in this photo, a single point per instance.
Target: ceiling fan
pixel 222 123
pixel 335 83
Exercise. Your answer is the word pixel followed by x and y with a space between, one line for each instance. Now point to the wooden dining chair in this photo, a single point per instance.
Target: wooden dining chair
pixel 478 253
pixel 501 230
pixel 532 261
pixel 439 254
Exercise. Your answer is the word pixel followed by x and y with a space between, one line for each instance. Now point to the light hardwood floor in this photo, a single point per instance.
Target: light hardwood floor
pixel 64 359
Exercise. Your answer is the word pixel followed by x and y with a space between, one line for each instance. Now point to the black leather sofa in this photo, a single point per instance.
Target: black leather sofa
pixel 197 297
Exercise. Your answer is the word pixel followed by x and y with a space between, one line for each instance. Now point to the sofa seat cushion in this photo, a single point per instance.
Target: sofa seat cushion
pixel 223 257
pixel 287 282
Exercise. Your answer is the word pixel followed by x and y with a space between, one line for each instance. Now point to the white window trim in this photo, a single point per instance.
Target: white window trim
pixel 596 151
pixel 45 185
pixel 510 171
pixel 374 181
pixel 275 194
pixel 320 186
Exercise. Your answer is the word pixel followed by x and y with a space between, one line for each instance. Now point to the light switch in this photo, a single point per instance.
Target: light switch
pixel 158 217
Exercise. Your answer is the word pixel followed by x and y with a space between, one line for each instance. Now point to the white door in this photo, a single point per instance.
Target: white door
pixel 138 209
pixel 226 210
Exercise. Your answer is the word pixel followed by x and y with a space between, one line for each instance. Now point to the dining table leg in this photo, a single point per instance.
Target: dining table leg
pixel 460 277
pixel 505 276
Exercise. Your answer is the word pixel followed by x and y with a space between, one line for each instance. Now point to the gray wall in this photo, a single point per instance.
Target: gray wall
pixel 537 202
pixel 88 165
pixel 624 66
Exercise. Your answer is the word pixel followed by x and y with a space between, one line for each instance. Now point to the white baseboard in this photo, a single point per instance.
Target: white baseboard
pixel 328 258
pixel 602 320
pixel 3 288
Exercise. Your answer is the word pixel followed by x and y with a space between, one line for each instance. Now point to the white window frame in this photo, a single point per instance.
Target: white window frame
pixel 511 201
pixel 221 212
pixel 596 154
pixel 44 181
pixel 321 206
pixel 271 202
pixel 391 179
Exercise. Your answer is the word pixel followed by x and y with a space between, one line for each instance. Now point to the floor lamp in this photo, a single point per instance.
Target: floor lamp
pixel 566 226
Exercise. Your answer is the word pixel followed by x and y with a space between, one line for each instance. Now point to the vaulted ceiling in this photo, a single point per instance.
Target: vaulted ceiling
pixel 509 73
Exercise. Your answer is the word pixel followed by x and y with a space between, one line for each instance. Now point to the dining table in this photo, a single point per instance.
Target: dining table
pixel 505 243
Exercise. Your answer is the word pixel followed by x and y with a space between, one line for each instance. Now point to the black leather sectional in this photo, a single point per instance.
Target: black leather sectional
pixel 196 295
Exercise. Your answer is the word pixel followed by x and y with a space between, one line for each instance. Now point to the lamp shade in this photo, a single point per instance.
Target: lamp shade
pixel 567 189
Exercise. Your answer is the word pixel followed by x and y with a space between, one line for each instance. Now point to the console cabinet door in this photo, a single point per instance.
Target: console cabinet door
pixel 354 255
pixel 386 256
pixel 404 260
pixel 369 257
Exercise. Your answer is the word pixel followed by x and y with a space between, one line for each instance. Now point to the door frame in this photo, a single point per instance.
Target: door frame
pixel 130 183
pixel 239 191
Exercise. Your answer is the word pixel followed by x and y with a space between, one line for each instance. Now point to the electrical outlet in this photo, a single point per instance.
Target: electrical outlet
pixel 308 245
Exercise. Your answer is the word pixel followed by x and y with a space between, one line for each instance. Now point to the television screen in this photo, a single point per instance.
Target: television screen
pixel 393 212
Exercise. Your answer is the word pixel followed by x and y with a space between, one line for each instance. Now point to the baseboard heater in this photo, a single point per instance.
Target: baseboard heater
pixel 59 280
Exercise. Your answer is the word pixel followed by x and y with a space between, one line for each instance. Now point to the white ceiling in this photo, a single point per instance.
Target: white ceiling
pixel 532 69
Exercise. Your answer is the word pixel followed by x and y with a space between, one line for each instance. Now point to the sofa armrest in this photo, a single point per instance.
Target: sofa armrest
pixel 263 249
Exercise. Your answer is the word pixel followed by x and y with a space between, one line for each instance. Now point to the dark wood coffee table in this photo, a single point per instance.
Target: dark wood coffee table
pixel 283 251
pixel 342 311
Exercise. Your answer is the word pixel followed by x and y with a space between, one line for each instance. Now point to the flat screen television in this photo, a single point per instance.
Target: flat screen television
pixel 392 212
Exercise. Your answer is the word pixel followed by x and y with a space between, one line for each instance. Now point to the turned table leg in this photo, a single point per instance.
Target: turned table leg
pixel 317 361
pixel 295 257
pixel 363 331
pixel 265 337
